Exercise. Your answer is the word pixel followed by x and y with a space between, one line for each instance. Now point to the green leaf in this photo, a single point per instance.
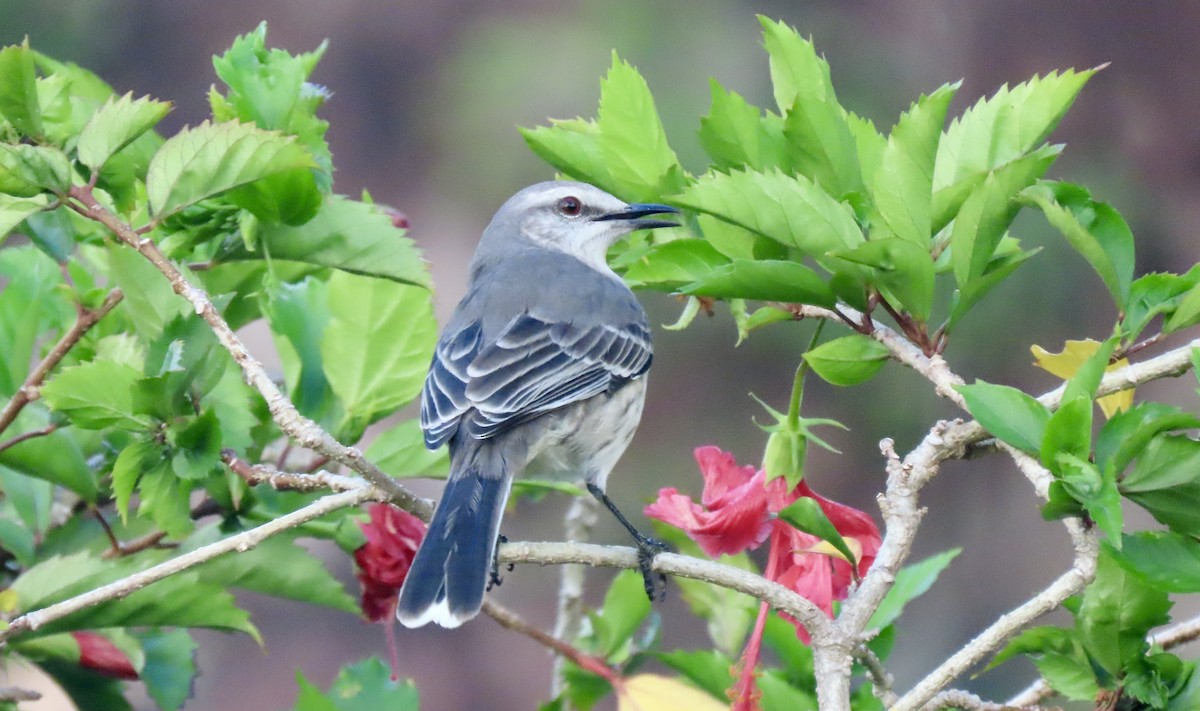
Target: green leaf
pixel 26 171
pixel 572 147
pixel 641 163
pixel 1167 561
pixel 735 134
pixel 276 567
pixel 1038 640
pixel 400 451
pixel 1125 436
pixel 1151 295
pixel 765 280
pixel 170 666
pixel 1166 482
pixel 796 69
pixel 1187 313
pixel 998 270
pixel 149 301
pixel 849 360
pixel 268 87
pixel 14 211
pixel 135 460
pixel 96 395
pixel 625 608
pixel 1068 431
pixel 900 267
pixel 1097 493
pixel 791 210
pixel 1002 128
pixel 56 458
pixel 1094 229
pixel 668 265
pixel 165 499
pixel 1008 413
pixel 779 695
pixel 378 343
pixel 903 184
pixel 805 515
pixel 821 146
pixel 197 446
pixel 707 669
pixel 345 234
pixel 988 211
pixel 1117 611
pixel 1068 675
pixel 116 125
pixel 911 582
pixel 207 160
pixel 363 686
pixel 18 89
pixel 298 314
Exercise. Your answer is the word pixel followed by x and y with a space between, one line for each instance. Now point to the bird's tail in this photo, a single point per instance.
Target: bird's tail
pixel 450 572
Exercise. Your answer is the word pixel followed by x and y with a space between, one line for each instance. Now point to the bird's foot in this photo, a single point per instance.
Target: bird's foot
pixel 655 583
pixel 494 579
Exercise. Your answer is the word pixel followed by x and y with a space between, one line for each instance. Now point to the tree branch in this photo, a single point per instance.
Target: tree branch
pixel 239 542
pixel 510 620
pixel 28 391
pixel 308 433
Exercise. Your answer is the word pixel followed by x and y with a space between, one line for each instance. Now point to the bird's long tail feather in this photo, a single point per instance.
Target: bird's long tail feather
pixel 450 572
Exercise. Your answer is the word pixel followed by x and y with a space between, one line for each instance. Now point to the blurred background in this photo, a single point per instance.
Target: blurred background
pixel 427 95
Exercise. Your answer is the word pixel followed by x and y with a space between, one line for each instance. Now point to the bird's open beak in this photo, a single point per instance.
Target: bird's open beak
pixel 636 213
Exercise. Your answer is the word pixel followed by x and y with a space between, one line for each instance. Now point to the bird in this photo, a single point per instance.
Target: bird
pixel 540 371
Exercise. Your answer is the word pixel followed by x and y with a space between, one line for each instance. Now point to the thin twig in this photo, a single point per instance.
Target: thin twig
pixel 254 474
pixel 28 390
pixel 881 680
pixel 965 700
pixel 306 432
pixel 42 432
pixel 16 693
pixel 510 620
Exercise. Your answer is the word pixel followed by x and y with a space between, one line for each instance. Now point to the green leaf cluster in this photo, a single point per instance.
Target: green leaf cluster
pixel 132 424
pixel 808 203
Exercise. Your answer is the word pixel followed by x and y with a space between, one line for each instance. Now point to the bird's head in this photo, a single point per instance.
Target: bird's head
pixel 576 218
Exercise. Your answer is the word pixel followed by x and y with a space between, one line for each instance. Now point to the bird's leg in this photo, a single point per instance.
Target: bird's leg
pixel 494 579
pixel 647 548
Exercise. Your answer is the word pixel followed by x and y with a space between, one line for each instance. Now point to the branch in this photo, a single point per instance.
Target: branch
pixel 240 542
pixel 556 553
pixel 308 433
pixel 255 474
pixel 32 434
pixel 510 620
pixel 28 391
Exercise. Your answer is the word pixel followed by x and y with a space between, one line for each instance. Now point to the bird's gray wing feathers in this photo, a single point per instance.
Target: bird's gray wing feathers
pixel 532 367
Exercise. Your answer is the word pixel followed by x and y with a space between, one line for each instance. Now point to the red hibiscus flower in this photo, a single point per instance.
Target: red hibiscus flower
pixel 383 561
pixel 98 653
pixel 738 511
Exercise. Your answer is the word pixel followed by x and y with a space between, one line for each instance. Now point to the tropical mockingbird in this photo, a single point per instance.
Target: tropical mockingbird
pixel 540 371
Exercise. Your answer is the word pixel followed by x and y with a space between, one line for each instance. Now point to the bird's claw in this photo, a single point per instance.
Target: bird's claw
pixel 494 579
pixel 654 583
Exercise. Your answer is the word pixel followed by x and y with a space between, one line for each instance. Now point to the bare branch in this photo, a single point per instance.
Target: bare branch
pixel 32 434
pixel 510 620
pixel 580 518
pixel 239 542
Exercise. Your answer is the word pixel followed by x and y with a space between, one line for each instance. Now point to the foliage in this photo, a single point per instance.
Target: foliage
pixel 139 412
pixel 138 423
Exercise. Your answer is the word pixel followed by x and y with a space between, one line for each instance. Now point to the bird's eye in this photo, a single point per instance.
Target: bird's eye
pixel 570 206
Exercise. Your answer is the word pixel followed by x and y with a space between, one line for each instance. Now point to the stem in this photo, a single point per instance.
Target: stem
pixel 32 434
pixel 28 390
pixel 510 620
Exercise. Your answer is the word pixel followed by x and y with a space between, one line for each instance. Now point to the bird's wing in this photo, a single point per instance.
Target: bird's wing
pixel 532 367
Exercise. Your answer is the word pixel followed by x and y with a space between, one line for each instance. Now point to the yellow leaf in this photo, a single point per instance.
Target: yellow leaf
pixel 1067 363
pixel 652 692
pixel 826 548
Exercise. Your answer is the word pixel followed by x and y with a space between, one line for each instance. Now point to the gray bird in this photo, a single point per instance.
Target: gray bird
pixel 540 371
